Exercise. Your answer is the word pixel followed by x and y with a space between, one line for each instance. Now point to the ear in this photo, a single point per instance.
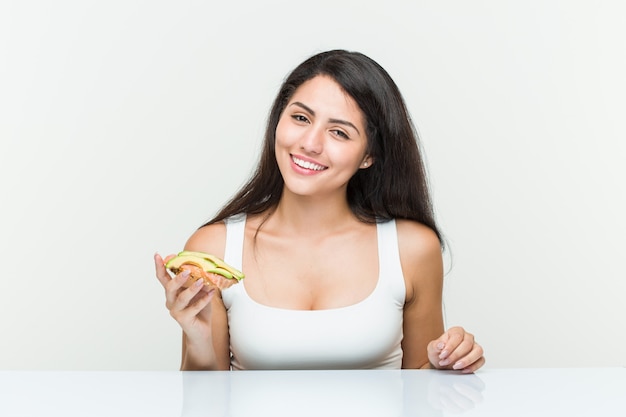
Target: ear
pixel 367 162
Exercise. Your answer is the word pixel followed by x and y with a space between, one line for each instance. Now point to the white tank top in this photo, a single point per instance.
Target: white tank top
pixel 365 335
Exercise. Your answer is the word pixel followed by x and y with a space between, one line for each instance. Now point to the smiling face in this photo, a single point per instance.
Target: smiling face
pixel 320 139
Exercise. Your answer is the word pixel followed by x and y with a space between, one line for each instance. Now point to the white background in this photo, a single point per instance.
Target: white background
pixel 126 124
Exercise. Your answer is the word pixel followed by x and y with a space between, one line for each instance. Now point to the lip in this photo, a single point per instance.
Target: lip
pixel 306 171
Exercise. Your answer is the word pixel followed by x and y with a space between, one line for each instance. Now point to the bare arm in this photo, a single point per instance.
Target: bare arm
pixel 200 312
pixel 422 265
pixel 212 353
pixel 425 344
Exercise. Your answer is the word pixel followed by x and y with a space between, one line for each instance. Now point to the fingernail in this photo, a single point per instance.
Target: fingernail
pixel 198 283
pixel 441 345
pixel 185 273
pixel 458 365
pixel 444 362
pixel 443 354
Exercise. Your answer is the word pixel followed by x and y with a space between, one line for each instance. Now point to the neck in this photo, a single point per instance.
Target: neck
pixel 312 215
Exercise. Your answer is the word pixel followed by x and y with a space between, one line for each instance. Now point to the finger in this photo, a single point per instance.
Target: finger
pixel 161 272
pixel 173 288
pixel 434 349
pixel 455 337
pixel 461 355
pixel 466 359
pixel 195 308
pixel 436 346
pixel 184 298
pixel 472 365
pixel 191 311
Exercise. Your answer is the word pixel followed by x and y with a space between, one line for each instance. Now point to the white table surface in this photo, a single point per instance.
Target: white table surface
pixel 490 392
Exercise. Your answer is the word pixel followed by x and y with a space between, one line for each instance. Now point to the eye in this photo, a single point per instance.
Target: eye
pixel 300 118
pixel 340 133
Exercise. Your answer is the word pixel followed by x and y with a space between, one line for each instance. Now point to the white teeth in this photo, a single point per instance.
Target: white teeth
pixel 307 164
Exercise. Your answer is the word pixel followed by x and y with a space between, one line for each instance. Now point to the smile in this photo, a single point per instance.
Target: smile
pixel 307 165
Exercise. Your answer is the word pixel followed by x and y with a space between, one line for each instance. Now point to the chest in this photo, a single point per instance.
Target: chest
pixel 305 274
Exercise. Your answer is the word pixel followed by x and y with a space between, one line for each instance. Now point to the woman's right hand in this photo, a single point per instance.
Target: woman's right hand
pixel 190 307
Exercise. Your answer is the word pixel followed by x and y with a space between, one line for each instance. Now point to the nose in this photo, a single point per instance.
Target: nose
pixel 312 141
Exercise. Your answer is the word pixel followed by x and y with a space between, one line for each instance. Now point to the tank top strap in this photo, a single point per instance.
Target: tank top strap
pixel 235 232
pixel 391 275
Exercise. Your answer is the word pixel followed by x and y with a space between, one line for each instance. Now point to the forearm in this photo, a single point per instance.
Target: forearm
pixel 201 356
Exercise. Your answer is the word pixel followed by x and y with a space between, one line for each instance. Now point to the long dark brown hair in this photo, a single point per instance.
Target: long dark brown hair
pixel 394 186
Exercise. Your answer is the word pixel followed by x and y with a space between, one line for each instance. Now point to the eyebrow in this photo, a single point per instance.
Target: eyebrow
pixel 338 121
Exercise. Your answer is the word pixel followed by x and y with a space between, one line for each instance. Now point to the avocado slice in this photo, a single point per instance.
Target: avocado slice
pixel 176 262
pixel 220 264
pixel 204 261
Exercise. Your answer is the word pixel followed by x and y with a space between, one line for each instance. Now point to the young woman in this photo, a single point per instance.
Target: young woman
pixel 336 235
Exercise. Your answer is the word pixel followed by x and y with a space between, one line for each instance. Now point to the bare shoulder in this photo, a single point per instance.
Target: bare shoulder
pixel 209 239
pixel 420 256
pixel 416 240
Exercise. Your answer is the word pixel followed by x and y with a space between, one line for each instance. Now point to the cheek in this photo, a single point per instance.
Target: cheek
pixel 281 143
pixel 350 158
pixel 281 135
